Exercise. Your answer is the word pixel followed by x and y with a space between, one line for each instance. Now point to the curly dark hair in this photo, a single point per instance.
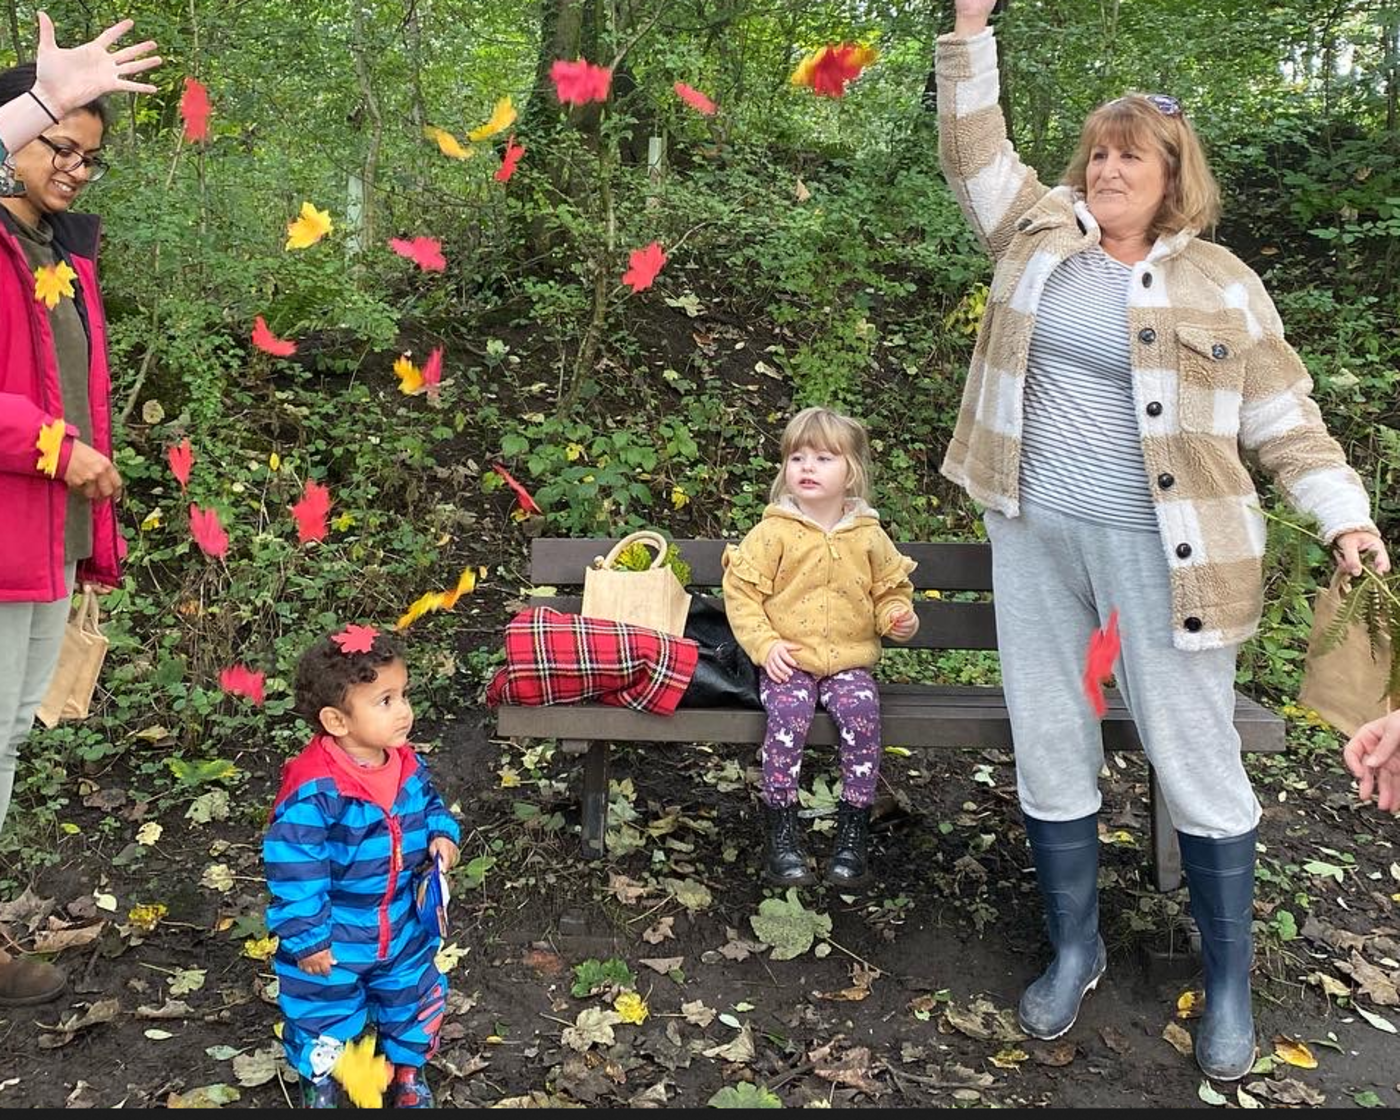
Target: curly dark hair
pixel 325 673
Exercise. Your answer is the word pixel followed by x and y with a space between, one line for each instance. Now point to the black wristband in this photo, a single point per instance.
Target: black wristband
pixel 38 102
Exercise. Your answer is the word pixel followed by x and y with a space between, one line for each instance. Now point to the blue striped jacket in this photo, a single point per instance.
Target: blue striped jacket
pixel 339 868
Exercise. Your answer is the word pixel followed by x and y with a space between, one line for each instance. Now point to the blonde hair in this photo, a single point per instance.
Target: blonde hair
pixel 1192 199
pixel 825 430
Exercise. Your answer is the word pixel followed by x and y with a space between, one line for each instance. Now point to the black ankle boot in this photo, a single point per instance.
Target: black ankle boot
pixel 847 866
pixel 785 860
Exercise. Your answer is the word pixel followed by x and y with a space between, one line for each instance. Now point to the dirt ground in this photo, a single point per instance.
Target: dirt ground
pixel 912 1004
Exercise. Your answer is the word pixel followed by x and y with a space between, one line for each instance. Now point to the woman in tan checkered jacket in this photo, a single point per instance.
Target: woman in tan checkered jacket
pixel 1125 370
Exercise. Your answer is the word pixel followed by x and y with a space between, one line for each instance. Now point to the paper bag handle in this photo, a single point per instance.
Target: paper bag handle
pixel 86 614
pixel 649 537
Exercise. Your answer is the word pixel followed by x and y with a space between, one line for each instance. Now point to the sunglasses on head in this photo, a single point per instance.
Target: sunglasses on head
pixel 1164 103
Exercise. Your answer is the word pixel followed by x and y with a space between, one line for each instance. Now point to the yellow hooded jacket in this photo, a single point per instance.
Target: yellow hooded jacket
pixel 832 593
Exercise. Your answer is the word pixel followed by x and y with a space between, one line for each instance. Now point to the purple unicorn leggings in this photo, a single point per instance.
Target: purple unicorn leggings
pixel 852 700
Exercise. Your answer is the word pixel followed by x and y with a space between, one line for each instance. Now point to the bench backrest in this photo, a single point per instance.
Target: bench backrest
pixel 946 567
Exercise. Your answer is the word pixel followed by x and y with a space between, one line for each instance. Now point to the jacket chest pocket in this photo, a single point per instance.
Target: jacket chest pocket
pixel 1210 378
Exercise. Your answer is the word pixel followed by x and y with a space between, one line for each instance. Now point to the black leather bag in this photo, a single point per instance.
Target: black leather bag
pixel 724 677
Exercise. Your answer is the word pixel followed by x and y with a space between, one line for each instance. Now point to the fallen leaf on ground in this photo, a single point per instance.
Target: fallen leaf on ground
pixel 741 1050
pixel 661 931
pixel 697 1014
pixel 1293 1052
pixel 662 965
pixel 984 1020
pixel 1179 1038
pixel 594 1026
pixel 854 1069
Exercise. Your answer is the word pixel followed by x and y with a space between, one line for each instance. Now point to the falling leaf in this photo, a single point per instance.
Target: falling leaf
pixel 448 144
pixel 207 532
pixel 49 445
pixel 577 83
pixel 410 376
pixel 239 680
pixel 425 252
pixel 510 158
pixel 269 343
pixel 1189 1004
pixel 523 499
pixel 1294 1053
pixel 1104 646
pixel 695 99
pixel 631 1008
pixel 432 373
pixel 364 1074
pixel 148 833
pixel 308 227
pixel 356 638
pixel 194 110
pixel 181 459
pixel 502 117
pixel 52 282
pixel 827 70
pixel 643 266
pixel 310 512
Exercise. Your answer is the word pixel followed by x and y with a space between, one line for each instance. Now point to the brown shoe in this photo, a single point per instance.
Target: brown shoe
pixel 24 981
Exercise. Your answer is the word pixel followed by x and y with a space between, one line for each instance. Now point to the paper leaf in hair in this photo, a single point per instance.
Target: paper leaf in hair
pixel 269 343
pixel 356 638
pixel 181 458
pixel 1104 647
pixel 524 502
pixel 695 99
pixel 432 373
pixel 502 117
pixel 827 70
pixel 52 282
pixel 308 227
pixel 239 680
pixel 194 110
pixel 207 532
pixel 644 264
pixel 425 252
pixel 310 512
pixel 509 158
pixel 410 376
pixel 49 445
pixel 447 144
pixel 577 83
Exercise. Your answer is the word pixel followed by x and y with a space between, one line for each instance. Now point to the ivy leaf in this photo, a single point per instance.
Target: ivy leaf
pixel 787 926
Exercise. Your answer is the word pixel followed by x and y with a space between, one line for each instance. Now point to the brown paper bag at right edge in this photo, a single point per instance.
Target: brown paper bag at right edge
pixel 1346 686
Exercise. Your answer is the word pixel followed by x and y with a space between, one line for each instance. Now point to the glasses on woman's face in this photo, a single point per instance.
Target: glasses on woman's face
pixel 70 159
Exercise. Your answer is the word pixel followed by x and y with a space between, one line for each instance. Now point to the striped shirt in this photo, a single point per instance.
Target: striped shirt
pixel 1081 449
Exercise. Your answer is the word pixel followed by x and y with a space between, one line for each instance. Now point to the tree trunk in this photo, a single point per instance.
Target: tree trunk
pixel 14 34
pixel 370 166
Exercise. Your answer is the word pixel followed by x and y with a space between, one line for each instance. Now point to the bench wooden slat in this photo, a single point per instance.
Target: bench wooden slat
pixel 943 565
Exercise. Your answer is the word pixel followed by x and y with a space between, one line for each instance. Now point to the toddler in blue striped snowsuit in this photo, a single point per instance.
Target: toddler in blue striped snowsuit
pixel 355 818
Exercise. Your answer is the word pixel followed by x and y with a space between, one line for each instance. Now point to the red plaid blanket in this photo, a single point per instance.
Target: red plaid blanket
pixel 557 658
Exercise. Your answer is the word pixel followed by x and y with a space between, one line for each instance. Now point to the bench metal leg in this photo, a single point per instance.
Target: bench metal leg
pixel 595 794
pixel 1166 853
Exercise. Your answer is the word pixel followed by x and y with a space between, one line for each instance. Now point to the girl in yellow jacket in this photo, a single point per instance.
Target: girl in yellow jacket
pixel 809 592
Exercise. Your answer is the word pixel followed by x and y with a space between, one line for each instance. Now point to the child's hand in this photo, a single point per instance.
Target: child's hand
pixel 318 964
pixel 445 850
pixel 903 625
pixel 780 661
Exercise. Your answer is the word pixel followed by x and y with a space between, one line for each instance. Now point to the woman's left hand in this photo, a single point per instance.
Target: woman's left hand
pixel 1350 546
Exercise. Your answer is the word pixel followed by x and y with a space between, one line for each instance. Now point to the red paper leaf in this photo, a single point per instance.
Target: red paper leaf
pixel 181 458
pixel 311 511
pixel 425 252
pixel 194 110
pixel 695 99
pixel 207 532
pixel 269 343
pixel 523 499
pixel 356 638
pixel 645 264
pixel 432 374
pixel 834 67
pixel 509 159
pixel 239 680
pixel 1104 647
pixel 580 82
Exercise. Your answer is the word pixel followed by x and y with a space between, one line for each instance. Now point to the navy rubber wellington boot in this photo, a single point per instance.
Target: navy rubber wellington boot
pixel 1220 876
pixel 1066 855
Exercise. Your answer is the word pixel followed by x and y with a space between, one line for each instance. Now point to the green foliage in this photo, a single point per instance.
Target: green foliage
pixel 592 976
pixel 637 557
pixel 745 1094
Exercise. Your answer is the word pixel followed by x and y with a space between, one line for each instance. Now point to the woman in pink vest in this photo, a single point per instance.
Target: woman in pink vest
pixel 57 481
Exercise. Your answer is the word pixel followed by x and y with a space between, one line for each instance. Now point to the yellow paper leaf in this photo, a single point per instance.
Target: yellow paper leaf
pixel 631 1007
pixel 1294 1053
pixel 1188 1005
pixel 52 282
pixel 428 601
pixel 502 117
pixel 509 778
pixel 308 228
pixel 1010 1058
pixel 410 376
pixel 151 521
pixel 148 834
pixel 146 918
pixel 449 144
pixel 466 584
pixel 260 948
pixel 679 498
pixel 364 1074
pixel 274 462
pixel 50 443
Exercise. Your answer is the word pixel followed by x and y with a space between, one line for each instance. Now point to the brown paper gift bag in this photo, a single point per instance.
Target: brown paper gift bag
pixel 1345 685
pixel 654 598
pixel 79 664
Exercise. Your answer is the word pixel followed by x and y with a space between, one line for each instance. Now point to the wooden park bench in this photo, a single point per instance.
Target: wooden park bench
pixel 913 715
